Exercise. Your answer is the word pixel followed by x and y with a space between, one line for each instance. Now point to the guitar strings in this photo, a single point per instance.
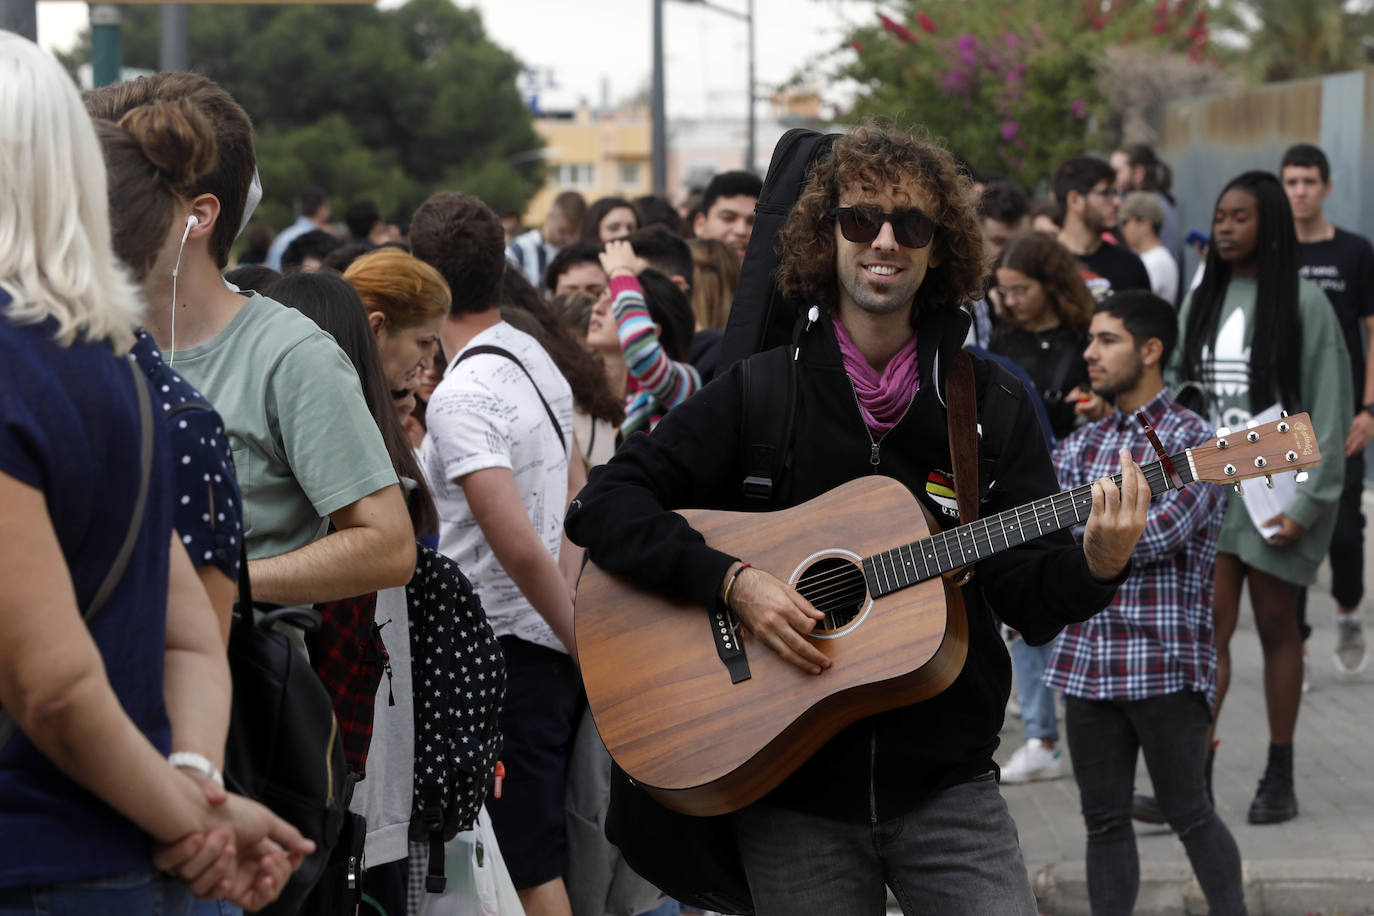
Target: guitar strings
pixel 829 580
pixel 942 538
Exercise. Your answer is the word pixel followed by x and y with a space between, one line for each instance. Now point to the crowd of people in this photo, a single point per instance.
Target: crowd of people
pixel 338 408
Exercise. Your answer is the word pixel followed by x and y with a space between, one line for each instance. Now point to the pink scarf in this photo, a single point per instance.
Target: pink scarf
pixel 882 399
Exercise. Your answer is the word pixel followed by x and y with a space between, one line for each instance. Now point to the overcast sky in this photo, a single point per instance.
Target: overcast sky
pixel 586 42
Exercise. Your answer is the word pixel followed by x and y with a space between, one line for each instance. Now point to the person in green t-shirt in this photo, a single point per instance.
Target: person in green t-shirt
pixel 1254 333
pixel 324 515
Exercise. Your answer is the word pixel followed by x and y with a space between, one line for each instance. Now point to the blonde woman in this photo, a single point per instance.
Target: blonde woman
pixel 86 780
pixel 713 283
pixel 406 301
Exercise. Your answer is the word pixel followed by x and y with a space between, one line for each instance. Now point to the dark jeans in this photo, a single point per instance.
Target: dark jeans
pixel 1347 545
pixel 1347 542
pixel 543 707
pixel 1104 738
pixel 957 854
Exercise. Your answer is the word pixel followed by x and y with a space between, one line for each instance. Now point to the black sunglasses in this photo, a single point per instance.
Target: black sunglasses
pixel 912 229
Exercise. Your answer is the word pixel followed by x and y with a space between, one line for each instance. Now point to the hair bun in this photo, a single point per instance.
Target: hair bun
pixel 176 137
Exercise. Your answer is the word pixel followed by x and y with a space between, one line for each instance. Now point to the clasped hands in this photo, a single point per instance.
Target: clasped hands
pixel 244 853
pixel 781 618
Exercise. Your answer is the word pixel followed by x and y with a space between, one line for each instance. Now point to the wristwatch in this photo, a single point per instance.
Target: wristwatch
pixel 1369 408
pixel 193 761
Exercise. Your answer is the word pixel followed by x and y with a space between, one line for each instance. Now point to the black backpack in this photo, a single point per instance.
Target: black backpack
pixel 458 675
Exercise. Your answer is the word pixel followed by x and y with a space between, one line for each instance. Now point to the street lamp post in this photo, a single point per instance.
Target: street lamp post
pixel 660 130
pixel 659 141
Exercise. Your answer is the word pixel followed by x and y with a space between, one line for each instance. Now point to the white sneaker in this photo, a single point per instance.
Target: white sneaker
pixel 1032 762
pixel 1350 656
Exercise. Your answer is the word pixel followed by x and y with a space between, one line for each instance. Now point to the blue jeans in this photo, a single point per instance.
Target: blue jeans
pixel 137 894
pixel 1105 737
pixel 956 854
pixel 1037 701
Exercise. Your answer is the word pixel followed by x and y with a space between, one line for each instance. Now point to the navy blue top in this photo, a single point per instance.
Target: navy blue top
pixel 68 427
pixel 207 506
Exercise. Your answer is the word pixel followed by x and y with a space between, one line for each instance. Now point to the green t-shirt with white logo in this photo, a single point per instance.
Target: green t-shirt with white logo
pixel 303 441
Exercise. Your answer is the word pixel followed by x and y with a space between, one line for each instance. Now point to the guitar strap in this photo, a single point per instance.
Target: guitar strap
pixel 962 415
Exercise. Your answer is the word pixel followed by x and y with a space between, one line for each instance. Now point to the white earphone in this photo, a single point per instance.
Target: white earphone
pixel 191 223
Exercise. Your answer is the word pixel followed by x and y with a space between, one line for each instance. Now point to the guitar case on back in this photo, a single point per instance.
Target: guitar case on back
pixel 695 859
pixel 761 318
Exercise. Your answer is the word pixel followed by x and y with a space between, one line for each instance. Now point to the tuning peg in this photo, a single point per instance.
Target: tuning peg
pixel 1283 413
pixel 1269 481
pixel 1251 424
pixel 1301 477
pixel 1239 491
pixel 1223 430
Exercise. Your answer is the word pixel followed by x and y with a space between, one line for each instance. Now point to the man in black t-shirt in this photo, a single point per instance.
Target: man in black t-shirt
pixel 1342 264
pixel 1083 185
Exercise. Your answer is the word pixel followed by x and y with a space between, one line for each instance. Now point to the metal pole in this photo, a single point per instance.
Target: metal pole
pixel 20 17
pixel 173 32
pixel 106 62
pixel 749 157
pixel 659 139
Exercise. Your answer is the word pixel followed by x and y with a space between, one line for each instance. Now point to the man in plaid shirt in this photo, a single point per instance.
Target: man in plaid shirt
pixel 1141 675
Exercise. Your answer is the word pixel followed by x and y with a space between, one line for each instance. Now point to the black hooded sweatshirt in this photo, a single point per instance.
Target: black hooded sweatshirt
pixel 885 765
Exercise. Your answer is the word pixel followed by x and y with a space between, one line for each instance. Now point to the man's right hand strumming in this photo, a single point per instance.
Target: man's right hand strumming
pixel 776 614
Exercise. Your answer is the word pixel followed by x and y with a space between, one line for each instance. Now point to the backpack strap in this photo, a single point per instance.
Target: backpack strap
pixel 962 416
pixel 126 549
pixel 501 351
pixel 769 408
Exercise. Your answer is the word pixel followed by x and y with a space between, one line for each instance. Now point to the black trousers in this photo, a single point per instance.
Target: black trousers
pixel 1347 545
pixel 1105 738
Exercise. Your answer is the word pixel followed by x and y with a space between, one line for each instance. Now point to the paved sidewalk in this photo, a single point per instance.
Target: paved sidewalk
pixel 1320 863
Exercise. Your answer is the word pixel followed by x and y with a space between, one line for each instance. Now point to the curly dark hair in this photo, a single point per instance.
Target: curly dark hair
pixel 1039 256
pixel 459 236
pixel 874 157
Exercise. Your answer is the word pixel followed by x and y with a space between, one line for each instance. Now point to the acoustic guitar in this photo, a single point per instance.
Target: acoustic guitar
pixel 707 719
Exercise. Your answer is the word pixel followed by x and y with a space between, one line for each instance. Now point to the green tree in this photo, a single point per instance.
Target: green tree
pixel 1287 40
pixel 1010 86
pixel 389 104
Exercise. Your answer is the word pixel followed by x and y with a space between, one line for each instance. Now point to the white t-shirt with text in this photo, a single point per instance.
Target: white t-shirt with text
pixel 487 414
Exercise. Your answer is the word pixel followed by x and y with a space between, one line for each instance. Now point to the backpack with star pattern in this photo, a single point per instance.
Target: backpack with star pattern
pixel 459 684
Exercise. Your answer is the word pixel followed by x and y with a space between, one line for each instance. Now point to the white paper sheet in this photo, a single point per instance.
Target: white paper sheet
pixel 1261 502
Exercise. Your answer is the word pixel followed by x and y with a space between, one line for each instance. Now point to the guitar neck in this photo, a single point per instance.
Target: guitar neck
pixel 938 554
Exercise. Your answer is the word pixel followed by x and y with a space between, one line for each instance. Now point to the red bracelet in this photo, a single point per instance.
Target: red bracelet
pixel 731 584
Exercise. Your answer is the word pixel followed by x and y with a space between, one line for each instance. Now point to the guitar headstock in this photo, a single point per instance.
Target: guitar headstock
pixel 1288 444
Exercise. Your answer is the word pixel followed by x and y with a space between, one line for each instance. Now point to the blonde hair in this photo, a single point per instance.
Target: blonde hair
pixel 56 260
pixel 713 285
pixel 406 290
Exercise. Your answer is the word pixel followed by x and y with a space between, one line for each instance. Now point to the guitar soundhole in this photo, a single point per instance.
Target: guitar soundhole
pixel 835 587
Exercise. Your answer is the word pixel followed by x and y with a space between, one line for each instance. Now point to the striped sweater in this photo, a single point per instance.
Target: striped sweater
pixel 657 383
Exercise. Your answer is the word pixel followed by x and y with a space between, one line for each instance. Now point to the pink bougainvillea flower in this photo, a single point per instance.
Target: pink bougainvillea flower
pixel 899 31
pixel 1008 130
pixel 1079 110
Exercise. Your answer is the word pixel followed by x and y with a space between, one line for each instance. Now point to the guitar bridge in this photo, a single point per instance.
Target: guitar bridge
pixel 729 646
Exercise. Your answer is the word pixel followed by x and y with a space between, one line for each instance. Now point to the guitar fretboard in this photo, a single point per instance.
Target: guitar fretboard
pixel 894 569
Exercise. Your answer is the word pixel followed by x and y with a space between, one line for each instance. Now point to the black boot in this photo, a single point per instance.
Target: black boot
pixel 1274 799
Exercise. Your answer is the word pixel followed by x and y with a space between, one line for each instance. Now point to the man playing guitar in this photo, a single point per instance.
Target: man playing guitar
pixel 885 244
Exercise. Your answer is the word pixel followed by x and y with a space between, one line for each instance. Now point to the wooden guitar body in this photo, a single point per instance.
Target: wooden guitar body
pixel 676 721
pixel 664 702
